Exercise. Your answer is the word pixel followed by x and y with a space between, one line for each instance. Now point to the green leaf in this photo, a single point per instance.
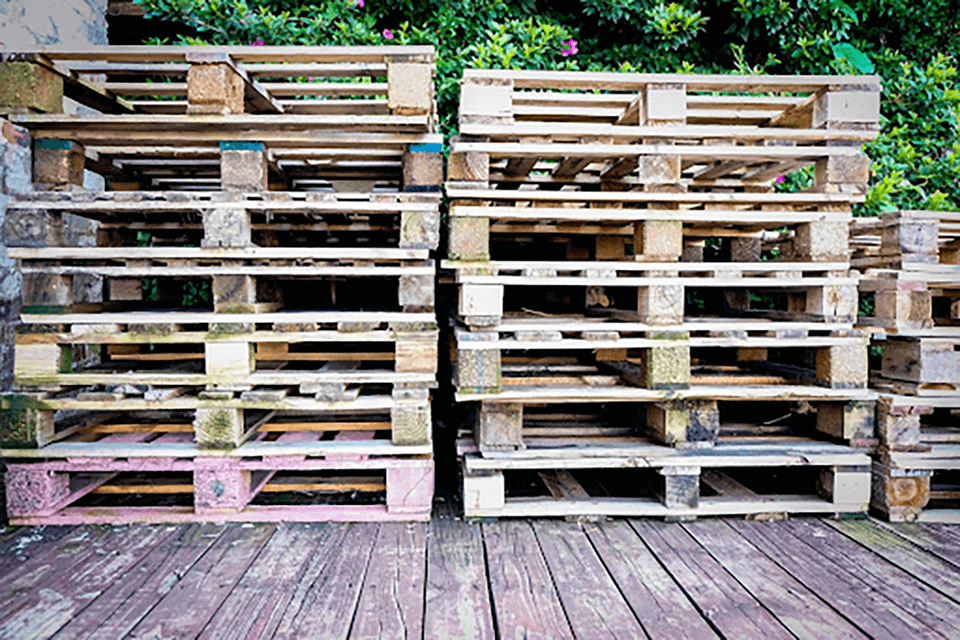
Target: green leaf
pixel 857 58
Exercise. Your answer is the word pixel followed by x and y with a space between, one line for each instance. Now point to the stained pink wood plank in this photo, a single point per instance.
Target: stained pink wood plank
pixel 326 598
pixel 391 601
pixel 118 609
pixel 867 607
pixel 457 598
pixel 656 599
pixel 48 604
pixel 594 605
pixel 940 540
pixel 29 545
pixel 725 603
pixel 892 565
pixel 798 608
pixel 256 605
pixel 525 600
pixel 184 611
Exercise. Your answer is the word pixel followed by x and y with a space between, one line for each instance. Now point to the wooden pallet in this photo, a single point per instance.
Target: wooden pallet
pixel 910 241
pixel 917 466
pixel 657 481
pixel 693 422
pixel 652 293
pixel 647 226
pixel 543 127
pixel 175 219
pixel 658 358
pixel 265 482
pixel 362 112
pixel 215 419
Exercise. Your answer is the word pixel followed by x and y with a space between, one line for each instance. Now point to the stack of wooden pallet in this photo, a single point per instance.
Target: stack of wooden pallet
pixel 634 291
pixel 911 284
pixel 251 333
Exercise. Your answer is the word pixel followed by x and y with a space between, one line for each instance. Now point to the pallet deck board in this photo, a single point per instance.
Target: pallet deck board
pixel 670 579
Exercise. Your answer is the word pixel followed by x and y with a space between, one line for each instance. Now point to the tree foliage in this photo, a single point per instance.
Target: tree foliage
pixel 911 45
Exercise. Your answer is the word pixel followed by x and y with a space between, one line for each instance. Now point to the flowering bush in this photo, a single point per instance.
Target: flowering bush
pixel 912 45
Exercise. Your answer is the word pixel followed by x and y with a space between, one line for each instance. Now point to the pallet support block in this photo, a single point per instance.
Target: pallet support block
pixel 745 249
pixel 481 304
pixel 229 359
pixel 416 352
pixel 483 492
pixel 898 426
pixel 680 489
pixel 468 239
pixel 843 367
pixel 32 491
pixel 486 101
pixel 226 227
pixel 834 302
pixel 468 166
pixel 842 173
pixel 911 239
pixel 214 88
pixel 921 361
pixel 244 166
pixel 419 229
pixel 45 290
pixel 32 228
pixel 409 87
pixel 32 360
pixel 899 494
pixel 125 289
pixel 907 304
pixel 846 487
pixel 417 293
pixel 30 87
pixel 219 428
pixel 423 167
pixel 57 164
pixel 500 427
pixel 479 370
pixel 822 241
pixel 412 423
pixel 847 109
pixel 220 486
pixel 688 423
pixel 234 294
pixel 661 304
pixel 410 489
pixel 24 427
pixel 852 421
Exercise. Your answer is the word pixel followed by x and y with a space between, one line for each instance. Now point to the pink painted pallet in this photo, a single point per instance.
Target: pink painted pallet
pixel 296 478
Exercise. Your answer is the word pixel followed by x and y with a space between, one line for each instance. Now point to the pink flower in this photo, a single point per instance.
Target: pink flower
pixel 388 34
pixel 257 43
pixel 571 49
pixel 779 180
pixel 359 3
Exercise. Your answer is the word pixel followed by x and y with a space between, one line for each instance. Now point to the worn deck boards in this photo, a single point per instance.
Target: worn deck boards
pixel 803 577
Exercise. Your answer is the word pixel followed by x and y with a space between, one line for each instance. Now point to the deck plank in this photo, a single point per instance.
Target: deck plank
pixel 187 608
pixel 391 601
pixel 256 605
pixel 50 603
pixel 931 538
pixel 457 597
pixel 29 544
pixel 866 606
pixel 324 602
pixel 909 575
pixel 723 601
pixel 118 609
pixel 594 605
pixel 657 601
pixel 525 599
pixel 798 608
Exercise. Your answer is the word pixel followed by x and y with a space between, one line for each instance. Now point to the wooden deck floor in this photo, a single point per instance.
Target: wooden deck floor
pixel 807 578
